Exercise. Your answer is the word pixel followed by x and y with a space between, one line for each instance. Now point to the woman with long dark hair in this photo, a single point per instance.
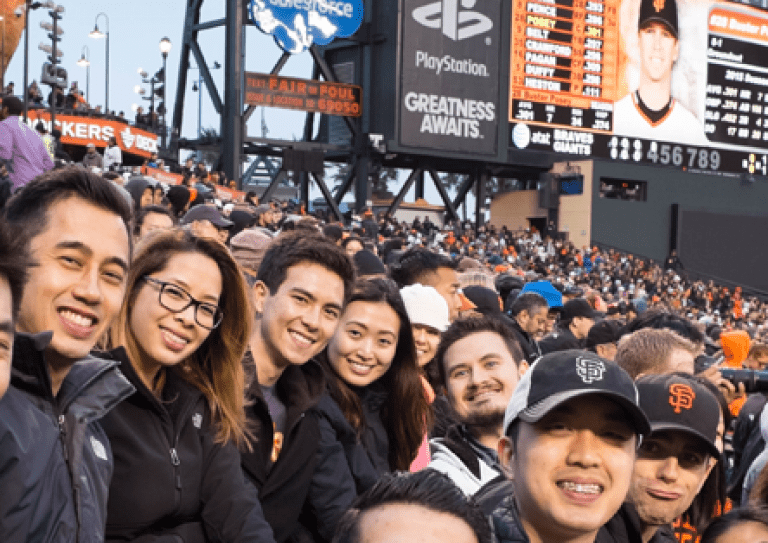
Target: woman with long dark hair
pixel 374 416
pixel 181 337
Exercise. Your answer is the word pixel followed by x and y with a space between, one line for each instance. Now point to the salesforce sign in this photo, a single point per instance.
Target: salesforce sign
pixel 296 25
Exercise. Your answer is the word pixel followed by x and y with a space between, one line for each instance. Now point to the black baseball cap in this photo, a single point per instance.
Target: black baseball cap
pixel 578 307
pixel 558 377
pixel 608 331
pixel 659 11
pixel 206 213
pixel 680 403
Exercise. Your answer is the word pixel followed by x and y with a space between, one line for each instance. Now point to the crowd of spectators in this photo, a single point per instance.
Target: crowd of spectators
pixel 174 367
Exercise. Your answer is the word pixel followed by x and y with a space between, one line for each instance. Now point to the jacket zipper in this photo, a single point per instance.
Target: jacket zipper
pixel 175 460
pixel 63 436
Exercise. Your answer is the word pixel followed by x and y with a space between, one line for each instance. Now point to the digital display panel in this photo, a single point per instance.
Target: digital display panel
pixel 678 83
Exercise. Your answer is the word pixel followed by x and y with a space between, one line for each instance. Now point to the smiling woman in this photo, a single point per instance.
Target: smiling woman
pixel 181 337
pixel 372 372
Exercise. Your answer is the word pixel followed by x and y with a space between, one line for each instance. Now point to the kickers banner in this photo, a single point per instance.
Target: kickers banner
pixel 449 94
pixel 76 130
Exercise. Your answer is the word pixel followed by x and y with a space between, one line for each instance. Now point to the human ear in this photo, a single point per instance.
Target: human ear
pixel 506 451
pixel 260 293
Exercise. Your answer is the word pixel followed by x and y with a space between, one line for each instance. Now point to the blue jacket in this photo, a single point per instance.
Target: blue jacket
pixel 55 459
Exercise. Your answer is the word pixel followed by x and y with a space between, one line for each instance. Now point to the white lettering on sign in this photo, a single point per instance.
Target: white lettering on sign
pixel 450 116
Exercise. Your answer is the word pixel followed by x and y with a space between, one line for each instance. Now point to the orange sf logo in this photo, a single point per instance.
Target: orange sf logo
pixel 681 397
pixel 658 5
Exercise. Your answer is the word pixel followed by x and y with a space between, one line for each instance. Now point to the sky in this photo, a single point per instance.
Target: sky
pixel 135 29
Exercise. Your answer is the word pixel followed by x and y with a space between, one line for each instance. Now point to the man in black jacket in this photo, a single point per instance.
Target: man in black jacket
pixel 529 319
pixel 302 286
pixel 572 329
pixel 571 431
pixel 56 461
pixel 674 461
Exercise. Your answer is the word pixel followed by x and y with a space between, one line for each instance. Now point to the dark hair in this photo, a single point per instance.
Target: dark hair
pixel 462 328
pixel 713 493
pixel 14 263
pixel 28 208
pixel 299 247
pixel 528 301
pixel 405 426
pixel 721 525
pixel 350 239
pixel 334 232
pixel 427 488
pixel 661 318
pixel 146 210
pixel 416 263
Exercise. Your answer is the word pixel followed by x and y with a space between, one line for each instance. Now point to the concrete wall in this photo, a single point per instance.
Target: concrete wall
pixel 576 210
pixel 644 227
pixel 514 208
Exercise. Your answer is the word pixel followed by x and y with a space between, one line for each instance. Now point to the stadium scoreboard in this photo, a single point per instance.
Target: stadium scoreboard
pixel 572 61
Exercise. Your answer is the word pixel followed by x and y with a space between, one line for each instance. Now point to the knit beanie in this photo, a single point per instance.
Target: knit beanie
pixel 426 306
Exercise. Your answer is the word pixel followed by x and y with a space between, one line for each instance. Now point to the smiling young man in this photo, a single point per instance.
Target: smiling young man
pixel 571 431
pixel 55 459
pixel 675 460
pixel 301 289
pixel 480 365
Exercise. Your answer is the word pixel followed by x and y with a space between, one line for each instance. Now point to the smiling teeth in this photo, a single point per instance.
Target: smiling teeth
pixel 583 489
pixel 77 319
pixel 301 339
pixel 360 367
pixel 173 338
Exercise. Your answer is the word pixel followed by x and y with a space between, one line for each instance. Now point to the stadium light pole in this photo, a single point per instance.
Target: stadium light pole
pixel 165 48
pixel 85 62
pixel 98 34
pixel 27 7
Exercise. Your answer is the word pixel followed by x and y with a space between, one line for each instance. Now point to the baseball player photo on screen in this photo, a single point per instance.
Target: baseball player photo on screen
pixel 665 88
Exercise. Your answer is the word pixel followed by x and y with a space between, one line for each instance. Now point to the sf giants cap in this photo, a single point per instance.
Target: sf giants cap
pixel 659 11
pixel 558 377
pixel 675 402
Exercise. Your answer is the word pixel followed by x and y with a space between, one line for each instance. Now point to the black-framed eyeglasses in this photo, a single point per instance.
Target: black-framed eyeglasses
pixel 176 299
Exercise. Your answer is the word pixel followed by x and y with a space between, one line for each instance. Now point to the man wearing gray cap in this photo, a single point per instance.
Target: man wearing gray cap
pixel 650 111
pixel 571 431
pixel 92 158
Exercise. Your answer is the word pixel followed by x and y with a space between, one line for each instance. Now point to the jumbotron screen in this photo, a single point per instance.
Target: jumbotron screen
pixel 677 83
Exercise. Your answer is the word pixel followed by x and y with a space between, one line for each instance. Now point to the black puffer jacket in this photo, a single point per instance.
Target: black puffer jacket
pixel 284 485
pixel 173 483
pixel 346 465
pixel 46 443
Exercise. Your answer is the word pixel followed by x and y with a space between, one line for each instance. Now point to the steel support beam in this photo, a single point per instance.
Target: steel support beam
pixel 232 125
pixel 276 180
pixel 443 194
pixel 482 178
pixel 328 197
pixel 414 175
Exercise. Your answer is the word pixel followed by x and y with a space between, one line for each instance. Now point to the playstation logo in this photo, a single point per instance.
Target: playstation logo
pixel 455 23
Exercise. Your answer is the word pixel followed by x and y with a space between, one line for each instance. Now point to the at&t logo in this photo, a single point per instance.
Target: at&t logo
pixel 457 24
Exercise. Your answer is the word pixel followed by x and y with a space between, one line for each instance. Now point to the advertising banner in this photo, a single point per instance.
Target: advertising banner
pixel 303 94
pixel 679 83
pixel 77 130
pixel 449 80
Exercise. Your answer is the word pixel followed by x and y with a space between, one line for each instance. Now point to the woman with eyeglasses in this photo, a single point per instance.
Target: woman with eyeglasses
pixel 181 333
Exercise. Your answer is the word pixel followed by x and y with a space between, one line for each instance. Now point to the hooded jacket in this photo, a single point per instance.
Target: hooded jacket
pixel 173 483
pixel 283 485
pixel 55 459
pixel 454 456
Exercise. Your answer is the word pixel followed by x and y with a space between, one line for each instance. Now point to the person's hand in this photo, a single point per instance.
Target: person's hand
pixel 731 392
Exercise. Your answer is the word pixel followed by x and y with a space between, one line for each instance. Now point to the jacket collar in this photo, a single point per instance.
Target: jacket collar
pixel 91 377
pixel 299 387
